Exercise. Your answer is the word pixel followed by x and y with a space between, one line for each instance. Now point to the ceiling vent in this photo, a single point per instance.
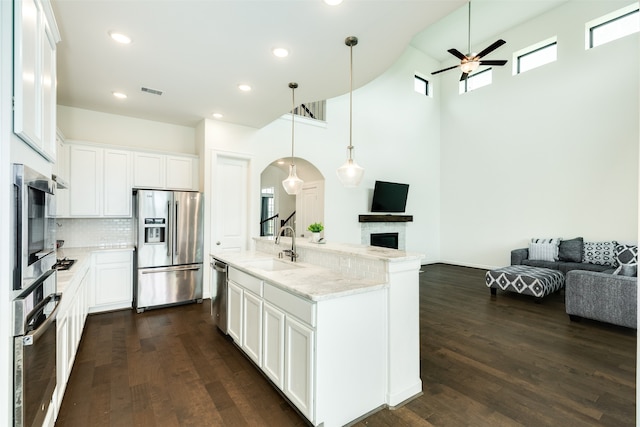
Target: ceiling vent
pixel 151 91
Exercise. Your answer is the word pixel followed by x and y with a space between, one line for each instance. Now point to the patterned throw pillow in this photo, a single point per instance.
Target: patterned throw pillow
pixel 601 253
pixel 627 257
pixel 544 249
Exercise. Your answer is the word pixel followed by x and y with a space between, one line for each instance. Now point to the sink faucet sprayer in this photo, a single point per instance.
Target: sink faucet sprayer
pixel 292 251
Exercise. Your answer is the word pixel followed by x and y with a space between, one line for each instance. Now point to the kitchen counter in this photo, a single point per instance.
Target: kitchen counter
pixel 306 280
pixel 83 258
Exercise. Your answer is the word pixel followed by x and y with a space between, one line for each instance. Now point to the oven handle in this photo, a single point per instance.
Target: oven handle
pixel 33 336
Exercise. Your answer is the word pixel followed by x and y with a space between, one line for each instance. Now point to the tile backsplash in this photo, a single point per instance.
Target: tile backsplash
pixel 88 232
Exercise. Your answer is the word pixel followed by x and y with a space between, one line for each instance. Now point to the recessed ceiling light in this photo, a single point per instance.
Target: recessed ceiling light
pixel 280 52
pixel 244 87
pixel 217 115
pixel 333 2
pixel 119 37
pixel 119 95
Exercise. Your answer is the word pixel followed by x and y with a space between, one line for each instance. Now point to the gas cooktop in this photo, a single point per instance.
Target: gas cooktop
pixel 63 264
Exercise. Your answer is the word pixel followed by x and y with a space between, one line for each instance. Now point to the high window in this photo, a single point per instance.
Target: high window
pixel 475 81
pixel 612 26
pixel 535 56
pixel 421 85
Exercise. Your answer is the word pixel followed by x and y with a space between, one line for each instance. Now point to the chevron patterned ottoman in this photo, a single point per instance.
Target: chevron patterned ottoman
pixel 523 279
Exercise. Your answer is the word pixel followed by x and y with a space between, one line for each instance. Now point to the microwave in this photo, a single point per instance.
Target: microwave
pixel 33 215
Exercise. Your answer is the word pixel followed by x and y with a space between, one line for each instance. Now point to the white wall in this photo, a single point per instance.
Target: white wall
pixel 86 125
pixel 552 152
pixel 396 136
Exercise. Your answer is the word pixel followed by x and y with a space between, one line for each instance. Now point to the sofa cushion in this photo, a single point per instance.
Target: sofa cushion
pixel 540 263
pixel 601 253
pixel 627 257
pixel 544 249
pixel 571 250
pixel 566 267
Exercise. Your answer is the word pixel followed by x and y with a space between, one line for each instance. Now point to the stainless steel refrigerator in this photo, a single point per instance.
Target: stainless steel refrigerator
pixel 169 246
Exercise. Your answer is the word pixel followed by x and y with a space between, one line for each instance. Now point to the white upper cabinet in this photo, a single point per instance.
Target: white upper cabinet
pixel 149 170
pixel 99 183
pixel 85 181
pixel 165 172
pixel 117 183
pixel 182 173
pixel 34 86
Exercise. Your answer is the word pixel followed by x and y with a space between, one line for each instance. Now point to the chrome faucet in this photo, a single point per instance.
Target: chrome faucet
pixel 292 251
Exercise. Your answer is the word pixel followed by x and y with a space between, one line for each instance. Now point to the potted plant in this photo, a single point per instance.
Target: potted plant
pixel 315 228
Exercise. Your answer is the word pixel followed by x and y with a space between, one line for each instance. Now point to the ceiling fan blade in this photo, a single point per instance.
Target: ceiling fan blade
pixel 493 62
pixel 491 48
pixel 464 76
pixel 457 53
pixel 445 69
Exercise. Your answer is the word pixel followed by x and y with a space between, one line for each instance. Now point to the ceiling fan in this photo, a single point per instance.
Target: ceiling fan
pixel 471 61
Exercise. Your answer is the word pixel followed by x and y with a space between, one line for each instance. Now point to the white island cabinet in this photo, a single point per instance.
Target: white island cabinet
pixel 338 344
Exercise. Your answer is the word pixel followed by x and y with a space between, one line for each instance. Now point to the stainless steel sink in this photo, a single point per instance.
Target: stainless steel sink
pixel 270 264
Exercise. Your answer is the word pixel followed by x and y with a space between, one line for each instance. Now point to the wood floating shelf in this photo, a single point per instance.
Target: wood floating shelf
pixel 385 218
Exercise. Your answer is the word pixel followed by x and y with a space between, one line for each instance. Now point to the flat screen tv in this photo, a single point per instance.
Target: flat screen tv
pixel 389 197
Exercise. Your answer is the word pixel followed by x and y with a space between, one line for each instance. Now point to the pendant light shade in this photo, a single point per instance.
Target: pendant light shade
pixel 350 173
pixel 292 185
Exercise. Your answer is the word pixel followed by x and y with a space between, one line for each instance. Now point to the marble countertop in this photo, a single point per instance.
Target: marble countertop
pixel 347 249
pixel 83 258
pixel 306 280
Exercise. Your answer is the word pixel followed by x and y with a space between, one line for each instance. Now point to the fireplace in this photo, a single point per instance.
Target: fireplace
pixel 386 240
pixel 387 231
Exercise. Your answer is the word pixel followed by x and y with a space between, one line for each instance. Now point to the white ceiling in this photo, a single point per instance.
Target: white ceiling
pixel 197 51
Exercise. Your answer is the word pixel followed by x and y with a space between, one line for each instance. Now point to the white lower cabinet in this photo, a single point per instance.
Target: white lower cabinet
pixel 113 281
pixel 70 324
pixel 299 365
pixel 234 312
pixel 273 344
pixel 252 326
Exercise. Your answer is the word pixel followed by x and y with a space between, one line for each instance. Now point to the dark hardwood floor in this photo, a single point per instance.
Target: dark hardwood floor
pixel 485 361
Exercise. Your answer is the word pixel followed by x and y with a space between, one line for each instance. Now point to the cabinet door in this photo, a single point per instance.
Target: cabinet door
pixel 27 115
pixel 113 284
pixel 48 94
pixel 234 312
pixel 180 173
pixel 252 326
pixel 62 368
pixel 149 170
pixel 62 171
pixel 85 181
pixel 117 183
pixel 273 344
pixel 299 365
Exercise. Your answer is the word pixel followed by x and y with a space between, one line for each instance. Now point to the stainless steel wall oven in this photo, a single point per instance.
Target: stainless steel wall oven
pixel 34 340
pixel 34 225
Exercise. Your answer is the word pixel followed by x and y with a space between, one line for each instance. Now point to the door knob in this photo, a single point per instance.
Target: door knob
pixel 218 243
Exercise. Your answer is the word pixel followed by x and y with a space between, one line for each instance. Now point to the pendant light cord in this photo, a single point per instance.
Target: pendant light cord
pixel 293 87
pixel 351 42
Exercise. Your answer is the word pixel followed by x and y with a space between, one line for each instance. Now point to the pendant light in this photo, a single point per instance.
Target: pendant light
pixel 350 173
pixel 292 185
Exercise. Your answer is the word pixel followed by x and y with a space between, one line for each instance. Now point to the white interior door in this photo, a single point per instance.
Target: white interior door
pixel 309 206
pixel 230 204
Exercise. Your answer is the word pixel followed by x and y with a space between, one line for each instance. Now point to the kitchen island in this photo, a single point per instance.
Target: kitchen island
pixel 337 331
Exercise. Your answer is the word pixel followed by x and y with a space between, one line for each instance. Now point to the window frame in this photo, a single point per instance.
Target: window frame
pixel 608 19
pixel 534 48
pixel 428 89
pixel 471 76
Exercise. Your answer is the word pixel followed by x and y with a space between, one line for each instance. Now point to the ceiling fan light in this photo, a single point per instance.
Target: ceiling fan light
pixel 292 185
pixel 469 66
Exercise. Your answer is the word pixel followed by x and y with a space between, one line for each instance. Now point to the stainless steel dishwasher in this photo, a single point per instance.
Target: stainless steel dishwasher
pixel 219 293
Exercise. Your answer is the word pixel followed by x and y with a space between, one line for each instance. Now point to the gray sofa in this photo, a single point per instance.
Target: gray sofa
pixel 601 296
pixel 592 291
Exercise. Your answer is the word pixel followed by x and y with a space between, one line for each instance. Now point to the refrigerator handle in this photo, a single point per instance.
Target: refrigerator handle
pixel 170 230
pixel 175 236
